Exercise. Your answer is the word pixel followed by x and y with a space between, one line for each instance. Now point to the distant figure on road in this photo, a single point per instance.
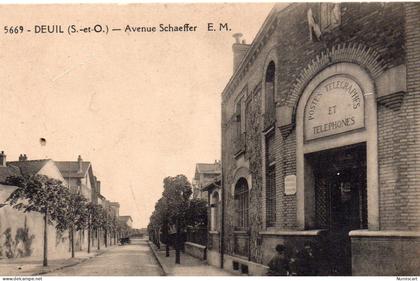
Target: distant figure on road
pixel 306 264
pixel 279 264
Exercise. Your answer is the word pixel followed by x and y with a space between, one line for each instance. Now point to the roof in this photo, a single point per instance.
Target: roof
pixel 69 169
pixel 7 171
pixel 125 218
pixel 216 183
pixel 207 168
pixel 116 204
pixel 29 167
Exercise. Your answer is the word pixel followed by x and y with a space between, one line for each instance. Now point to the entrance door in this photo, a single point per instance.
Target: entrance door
pixel 340 200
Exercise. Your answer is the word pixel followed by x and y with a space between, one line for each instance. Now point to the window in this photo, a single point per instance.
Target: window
pixel 239 119
pixel 330 16
pixel 241 203
pixel 270 181
pixel 270 109
pixel 214 211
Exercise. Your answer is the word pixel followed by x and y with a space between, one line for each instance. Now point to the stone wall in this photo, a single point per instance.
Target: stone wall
pixel 21 234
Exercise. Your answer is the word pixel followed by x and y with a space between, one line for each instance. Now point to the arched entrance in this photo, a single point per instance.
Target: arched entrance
pixel 336 158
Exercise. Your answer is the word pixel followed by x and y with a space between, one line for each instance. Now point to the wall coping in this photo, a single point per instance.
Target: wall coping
pixel 383 233
pixel 195 245
pixel 247 262
pixel 315 232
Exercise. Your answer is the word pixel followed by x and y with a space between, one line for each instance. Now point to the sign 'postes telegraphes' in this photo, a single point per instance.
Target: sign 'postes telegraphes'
pixel 335 106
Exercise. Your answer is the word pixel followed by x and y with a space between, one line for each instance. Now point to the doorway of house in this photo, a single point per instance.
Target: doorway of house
pixel 340 200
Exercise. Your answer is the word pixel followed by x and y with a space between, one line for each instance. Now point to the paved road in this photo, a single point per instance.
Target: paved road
pixel 128 260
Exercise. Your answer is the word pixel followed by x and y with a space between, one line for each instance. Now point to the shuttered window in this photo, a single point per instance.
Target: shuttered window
pixel 271 196
pixel 241 204
pixel 270 181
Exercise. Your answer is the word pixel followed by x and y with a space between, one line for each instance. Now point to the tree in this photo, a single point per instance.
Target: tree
pixel 106 225
pixel 39 193
pixel 75 216
pixel 197 213
pixel 93 212
pixel 162 221
pixel 177 191
pixel 153 227
pixel 114 227
pixel 97 222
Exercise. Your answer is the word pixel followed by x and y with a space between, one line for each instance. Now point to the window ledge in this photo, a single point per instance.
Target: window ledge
pixel 240 232
pixel 213 232
pixel 276 232
pixel 383 233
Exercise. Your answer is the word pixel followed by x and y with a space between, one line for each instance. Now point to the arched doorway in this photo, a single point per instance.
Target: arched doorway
pixel 241 218
pixel 336 157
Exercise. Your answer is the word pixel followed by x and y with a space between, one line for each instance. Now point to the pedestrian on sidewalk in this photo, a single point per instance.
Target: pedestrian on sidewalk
pixel 279 264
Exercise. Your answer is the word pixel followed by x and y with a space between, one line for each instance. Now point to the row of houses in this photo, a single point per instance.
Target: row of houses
pixel 320 142
pixel 21 233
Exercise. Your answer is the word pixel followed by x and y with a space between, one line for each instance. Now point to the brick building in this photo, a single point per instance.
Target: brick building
pixel 320 127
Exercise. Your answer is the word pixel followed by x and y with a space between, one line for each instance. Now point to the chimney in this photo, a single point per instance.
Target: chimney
pixel 2 159
pixel 239 50
pixel 23 157
pixel 98 186
pixel 79 160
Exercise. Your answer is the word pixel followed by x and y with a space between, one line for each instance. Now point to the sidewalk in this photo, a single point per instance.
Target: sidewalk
pixel 33 265
pixel 189 266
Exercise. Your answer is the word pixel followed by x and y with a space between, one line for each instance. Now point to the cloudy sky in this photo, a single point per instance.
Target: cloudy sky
pixel 139 106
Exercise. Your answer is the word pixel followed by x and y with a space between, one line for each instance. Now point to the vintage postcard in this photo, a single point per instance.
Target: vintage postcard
pixel 210 139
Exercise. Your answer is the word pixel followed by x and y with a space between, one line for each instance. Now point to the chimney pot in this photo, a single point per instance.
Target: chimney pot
pixel 80 161
pixel 239 50
pixel 237 37
pixel 2 159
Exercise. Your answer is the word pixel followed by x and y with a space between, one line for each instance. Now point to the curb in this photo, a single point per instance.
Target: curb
pixel 67 265
pixel 157 258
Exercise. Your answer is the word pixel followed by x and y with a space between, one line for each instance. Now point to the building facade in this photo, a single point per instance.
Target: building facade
pixel 320 128
pixel 204 174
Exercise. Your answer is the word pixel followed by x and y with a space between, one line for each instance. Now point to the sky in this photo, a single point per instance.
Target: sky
pixel 138 106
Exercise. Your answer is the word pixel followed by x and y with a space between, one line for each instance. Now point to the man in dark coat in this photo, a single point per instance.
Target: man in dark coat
pixel 279 264
pixel 306 262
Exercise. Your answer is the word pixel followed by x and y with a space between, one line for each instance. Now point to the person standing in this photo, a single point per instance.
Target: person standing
pixel 279 264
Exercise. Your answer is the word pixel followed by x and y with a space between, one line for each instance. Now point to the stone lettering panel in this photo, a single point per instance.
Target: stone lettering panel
pixel 335 106
pixel 290 185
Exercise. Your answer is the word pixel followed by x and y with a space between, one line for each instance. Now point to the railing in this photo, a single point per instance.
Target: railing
pixel 239 144
pixel 197 235
pixel 241 243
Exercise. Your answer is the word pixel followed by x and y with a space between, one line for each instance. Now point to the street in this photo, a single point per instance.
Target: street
pixel 128 260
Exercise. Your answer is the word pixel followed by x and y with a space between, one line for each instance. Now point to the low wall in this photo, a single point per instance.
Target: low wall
pixel 196 250
pixel 239 265
pixel 385 253
pixel 213 258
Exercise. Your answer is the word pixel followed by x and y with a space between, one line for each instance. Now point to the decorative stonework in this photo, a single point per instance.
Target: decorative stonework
pixel 356 53
pixel 392 101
